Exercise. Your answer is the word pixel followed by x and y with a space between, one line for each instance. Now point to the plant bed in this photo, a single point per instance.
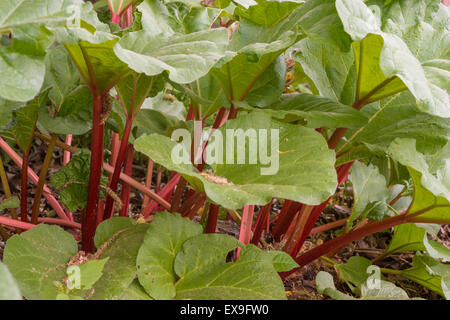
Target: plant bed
pixel 245 150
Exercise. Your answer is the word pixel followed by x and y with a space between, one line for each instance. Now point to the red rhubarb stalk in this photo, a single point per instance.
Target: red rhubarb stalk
pixel 126 188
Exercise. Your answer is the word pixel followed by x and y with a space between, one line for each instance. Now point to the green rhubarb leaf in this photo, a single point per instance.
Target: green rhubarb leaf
pixel 436 249
pixel 72 181
pixel 9 203
pixel 6 111
pixel 268 13
pixel 207 93
pixel 90 272
pixel 22 61
pixel 399 59
pixel 325 285
pixel 369 186
pixel 90 46
pixel 24 124
pixel 430 178
pixel 354 272
pixel 407 237
pixel 398 117
pixel 9 290
pixel 71 102
pixel 205 274
pixel 282 261
pixel 155 260
pixel 108 228
pixel 330 68
pixel 134 292
pixel 134 89
pixel 38 257
pixel 383 291
pixel 159 115
pixel 298 177
pixel 422 273
pixel 317 111
pixel 74 116
pixel 185 57
pixel 120 269
pixel 97 63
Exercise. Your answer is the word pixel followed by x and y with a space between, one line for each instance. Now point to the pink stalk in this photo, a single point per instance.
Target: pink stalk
pixel 162 193
pixel 140 187
pixel 245 232
pixel 260 226
pixel 126 188
pixel 342 173
pixel 60 222
pixel 148 181
pixel 114 151
pixel 35 179
pixel 66 160
pixel 16 223
pixel 27 226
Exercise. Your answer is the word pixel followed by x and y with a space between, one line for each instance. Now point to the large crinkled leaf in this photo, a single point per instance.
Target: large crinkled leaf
pixel 435 173
pixel 159 115
pixel 22 62
pixel 120 269
pixel 407 237
pixel 206 93
pixel 269 13
pixel 205 274
pixel 330 68
pixel 74 116
pixel 72 181
pixel 90 46
pixel 97 63
pixel 354 272
pixel 6 111
pixel 372 83
pixel 9 290
pixel 397 59
pixel 255 63
pixel 369 186
pixel 185 57
pixel 175 17
pixel 134 292
pixel 133 90
pixel 436 250
pixel 398 117
pixel 422 273
pixel 299 176
pixel 38 257
pixel 255 48
pixel 110 227
pixel 61 74
pixel 325 285
pixel 71 102
pixel 24 123
pixel 155 260
pixel 9 203
pixel 319 19
pixel 383 291
pixel 315 110
pixel 430 177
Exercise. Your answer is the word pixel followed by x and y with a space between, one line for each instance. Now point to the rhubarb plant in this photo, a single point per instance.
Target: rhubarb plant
pixel 250 111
